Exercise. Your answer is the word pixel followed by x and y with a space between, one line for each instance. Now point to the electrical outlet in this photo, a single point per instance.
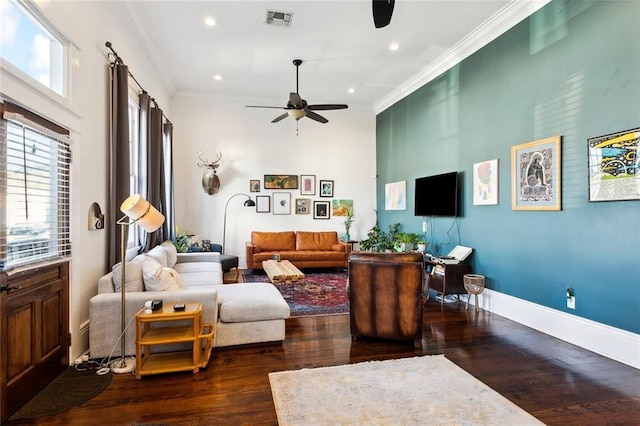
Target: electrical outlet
pixel 424 226
pixel 571 302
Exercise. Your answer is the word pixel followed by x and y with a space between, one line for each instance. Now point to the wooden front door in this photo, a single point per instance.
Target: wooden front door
pixel 34 332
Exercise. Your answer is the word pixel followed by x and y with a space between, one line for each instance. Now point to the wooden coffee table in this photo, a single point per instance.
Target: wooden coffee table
pixel 283 272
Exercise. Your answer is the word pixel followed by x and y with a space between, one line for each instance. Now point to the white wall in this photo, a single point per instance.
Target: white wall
pixel 88 25
pixel 342 150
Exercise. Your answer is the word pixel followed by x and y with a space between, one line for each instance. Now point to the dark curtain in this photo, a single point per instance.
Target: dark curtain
pixel 170 216
pixel 119 156
pixel 144 123
pixel 156 193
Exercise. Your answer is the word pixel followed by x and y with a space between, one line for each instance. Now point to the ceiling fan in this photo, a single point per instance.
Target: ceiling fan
pixel 298 108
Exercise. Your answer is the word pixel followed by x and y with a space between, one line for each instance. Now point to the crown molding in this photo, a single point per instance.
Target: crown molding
pixel 139 26
pixel 505 19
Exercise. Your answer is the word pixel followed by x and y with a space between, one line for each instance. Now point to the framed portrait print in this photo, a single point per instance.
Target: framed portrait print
pixel 281 203
pixel 302 205
pixel 326 188
pixel 263 204
pixel 307 185
pixel 485 183
pixel 535 175
pixel 614 166
pixel 254 185
pixel 280 181
pixel 321 210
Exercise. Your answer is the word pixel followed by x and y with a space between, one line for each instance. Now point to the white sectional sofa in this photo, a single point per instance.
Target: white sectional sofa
pixel 242 313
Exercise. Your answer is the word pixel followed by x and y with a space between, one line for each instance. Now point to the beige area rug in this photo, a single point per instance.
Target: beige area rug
pixel 411 391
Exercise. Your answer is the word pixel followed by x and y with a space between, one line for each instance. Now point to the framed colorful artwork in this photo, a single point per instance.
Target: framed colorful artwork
pixel 321 209
pixel 614 166
pixel 280 181
pixel 535 175
pixel 307 185
pixel 395 195
pixel 263 204
pixel 326 188
pixel 281 203
pixel 302 205
pixel 254 185
pixel 485 183
pixel 341 207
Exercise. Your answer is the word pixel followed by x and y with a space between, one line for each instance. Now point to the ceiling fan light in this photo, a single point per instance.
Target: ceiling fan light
pixel 296 113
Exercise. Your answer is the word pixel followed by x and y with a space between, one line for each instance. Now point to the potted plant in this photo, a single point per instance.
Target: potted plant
pixel 378 240
pixel 347 224
pixel 406 241
pixel 422 246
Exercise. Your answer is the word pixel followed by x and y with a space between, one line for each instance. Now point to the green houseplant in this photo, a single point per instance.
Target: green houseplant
pixel 379 240
pixel 347 224
pixel 405 241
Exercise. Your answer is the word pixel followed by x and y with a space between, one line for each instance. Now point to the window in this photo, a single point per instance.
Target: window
pixel 35 176
pixel 134 149
pixel 28 45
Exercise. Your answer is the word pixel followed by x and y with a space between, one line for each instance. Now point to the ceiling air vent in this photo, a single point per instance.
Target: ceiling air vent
pixel 278 19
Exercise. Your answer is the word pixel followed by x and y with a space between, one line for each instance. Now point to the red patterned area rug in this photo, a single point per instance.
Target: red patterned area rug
pixel 321 293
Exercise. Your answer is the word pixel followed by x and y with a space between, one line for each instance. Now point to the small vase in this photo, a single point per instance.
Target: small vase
pixel 347 237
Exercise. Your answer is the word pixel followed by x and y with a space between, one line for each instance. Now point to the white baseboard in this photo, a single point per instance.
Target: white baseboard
pixel 611 342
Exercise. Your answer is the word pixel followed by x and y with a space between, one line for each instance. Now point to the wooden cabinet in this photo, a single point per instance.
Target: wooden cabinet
pixel 447 279
pixel 169 327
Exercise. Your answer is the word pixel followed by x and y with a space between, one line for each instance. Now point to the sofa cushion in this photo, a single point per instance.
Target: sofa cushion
pixel 159 254
pixel 133 277
pixel 274 240
pixel 159 278
pixel 316 240
pixel 247 302
pixel 189 267
pixel 172 253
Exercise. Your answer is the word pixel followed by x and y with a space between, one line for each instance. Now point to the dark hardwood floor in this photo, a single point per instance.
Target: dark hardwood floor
pixel 558 383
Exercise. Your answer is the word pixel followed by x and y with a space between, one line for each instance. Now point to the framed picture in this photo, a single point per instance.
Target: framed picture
pixel 395 196
pixel 485 183
pixel 341 207
pixel 281 203
pixel 254 185
pixel 326 188
pixel 307 185
pixel 321 210
pixel 302 205
pixel 614 166
pixel 535 175
pixel 280 181
pixel 263 204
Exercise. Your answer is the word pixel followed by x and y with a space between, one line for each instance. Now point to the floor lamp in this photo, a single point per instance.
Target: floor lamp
pixel 138 211
pixel 248 203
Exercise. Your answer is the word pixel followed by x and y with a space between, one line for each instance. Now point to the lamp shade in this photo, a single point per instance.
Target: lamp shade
pixel 296 113
pixel 142 212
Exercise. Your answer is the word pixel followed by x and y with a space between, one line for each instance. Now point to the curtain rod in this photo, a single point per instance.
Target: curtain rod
pixel 118 60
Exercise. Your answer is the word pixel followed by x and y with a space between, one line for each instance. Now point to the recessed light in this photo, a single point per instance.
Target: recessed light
pixel 394 46
pixel 217 77
pixel 351 90
pixel 209 21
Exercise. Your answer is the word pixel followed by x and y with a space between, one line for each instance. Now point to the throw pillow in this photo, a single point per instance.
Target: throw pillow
pixel 159 254
pixel 172 253
pixel 133 277
pixel 159 278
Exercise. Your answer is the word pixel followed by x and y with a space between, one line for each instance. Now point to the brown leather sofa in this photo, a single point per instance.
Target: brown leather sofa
pixel 303 249
pixel 385 293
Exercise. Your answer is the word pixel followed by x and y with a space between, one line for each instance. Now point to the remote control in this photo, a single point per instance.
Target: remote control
pixel 178 307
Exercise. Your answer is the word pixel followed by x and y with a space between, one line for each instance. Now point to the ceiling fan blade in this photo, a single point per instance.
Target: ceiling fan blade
pixel 320 107
pixel 312 115
pixel 295 100
pixel 262 106
pixel 280 117
pixel 382 11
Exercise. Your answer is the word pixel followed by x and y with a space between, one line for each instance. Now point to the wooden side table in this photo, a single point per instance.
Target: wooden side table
pixel 148 334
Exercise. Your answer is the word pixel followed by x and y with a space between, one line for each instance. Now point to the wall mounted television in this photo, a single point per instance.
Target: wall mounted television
pixel 437 195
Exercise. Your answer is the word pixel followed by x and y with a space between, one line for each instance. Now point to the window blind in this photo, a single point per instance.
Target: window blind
pixel 35 178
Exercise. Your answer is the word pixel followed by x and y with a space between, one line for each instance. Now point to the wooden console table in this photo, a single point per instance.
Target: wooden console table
pixel 149 333
pixel 447 279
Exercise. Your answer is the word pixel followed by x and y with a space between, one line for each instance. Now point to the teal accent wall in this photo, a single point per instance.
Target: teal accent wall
pixel 572 69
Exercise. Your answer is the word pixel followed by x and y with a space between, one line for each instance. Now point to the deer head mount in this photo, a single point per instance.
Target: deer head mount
pixel 210 180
